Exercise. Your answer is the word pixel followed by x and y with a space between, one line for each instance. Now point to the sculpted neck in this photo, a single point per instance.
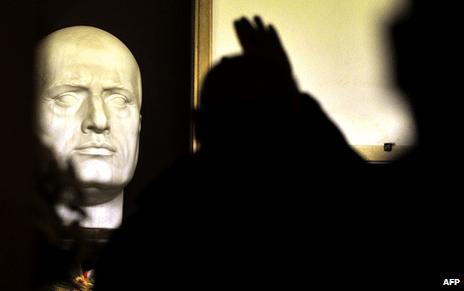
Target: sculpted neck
pixel 107 215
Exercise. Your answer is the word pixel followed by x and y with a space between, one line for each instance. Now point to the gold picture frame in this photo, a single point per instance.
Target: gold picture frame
pixel 203 43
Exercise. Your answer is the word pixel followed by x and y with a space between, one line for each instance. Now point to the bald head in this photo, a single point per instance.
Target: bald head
pixel 88 88
pixel 77 47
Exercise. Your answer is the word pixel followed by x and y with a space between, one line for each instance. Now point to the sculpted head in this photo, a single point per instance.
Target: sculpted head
pixel 88 92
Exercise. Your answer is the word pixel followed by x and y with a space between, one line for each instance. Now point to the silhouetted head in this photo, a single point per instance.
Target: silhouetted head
pixel 424 42
pixel 243 102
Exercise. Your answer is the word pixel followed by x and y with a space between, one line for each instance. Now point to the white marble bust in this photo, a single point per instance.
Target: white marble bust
pixel 89 94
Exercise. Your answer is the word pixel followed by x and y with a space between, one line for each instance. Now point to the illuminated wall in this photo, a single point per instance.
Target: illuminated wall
pixel 340 53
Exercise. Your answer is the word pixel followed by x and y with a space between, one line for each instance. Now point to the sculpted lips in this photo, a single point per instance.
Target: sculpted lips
pixel 95 149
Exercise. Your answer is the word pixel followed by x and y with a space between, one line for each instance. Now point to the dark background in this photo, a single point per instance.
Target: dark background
pixel 424 195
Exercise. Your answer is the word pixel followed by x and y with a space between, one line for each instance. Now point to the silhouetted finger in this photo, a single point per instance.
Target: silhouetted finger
pixel 259 24
pixel 274 36
pixel 275 39
pixel 278 47
pixel 244 33
pixel 249 38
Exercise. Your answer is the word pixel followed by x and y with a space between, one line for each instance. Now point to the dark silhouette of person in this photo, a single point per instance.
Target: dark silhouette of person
pixel 251 104
pixel 425 182
pixel 255 206
pixel 276 196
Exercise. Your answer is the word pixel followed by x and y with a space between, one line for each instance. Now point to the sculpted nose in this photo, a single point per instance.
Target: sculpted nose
pixel 96 118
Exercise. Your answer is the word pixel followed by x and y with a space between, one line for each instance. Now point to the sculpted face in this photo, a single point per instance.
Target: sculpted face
pixel 88 107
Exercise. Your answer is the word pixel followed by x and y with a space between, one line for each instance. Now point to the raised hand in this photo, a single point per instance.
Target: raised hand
pixel 258 39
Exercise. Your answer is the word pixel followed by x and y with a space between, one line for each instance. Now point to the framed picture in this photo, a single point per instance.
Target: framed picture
pixel 340 54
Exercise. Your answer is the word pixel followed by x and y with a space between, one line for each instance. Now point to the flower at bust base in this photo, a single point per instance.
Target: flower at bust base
pixel 84 281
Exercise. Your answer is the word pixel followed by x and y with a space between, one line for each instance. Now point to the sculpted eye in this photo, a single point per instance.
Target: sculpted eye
pixel 118 100
pixel 66 99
